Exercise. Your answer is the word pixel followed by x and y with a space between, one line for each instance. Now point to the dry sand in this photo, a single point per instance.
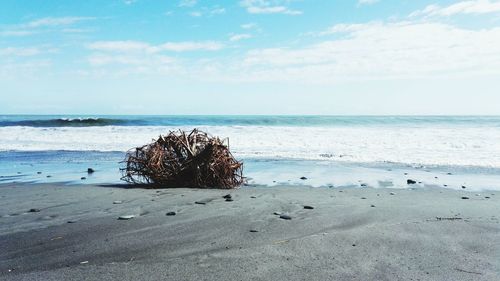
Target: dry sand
pixel 351 234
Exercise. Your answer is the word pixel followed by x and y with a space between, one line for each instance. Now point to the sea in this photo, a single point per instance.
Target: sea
pixel 330 151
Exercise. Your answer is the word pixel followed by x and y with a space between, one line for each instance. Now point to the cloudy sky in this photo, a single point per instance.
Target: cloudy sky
pixel 250 57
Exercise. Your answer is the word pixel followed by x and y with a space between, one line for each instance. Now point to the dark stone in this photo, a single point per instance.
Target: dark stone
pixel 465 197
pixel 90 170
pixel 445 185
pixel 363 197
pixel 49 176
pixel 449 173
pixel 83 178
pixel 487 197
pixel 253 230
pixel 34 210
pixel 229 200
pixel 364 185
pixel 171 214
pixel 410 181
pixel 354 245
pixel 303 178
pixel 308 207
pixel 200 202
pixel 253 197
pixel 373 206
pixel 227 196
pixel 463 187
pixel 285 217
pixel 39 173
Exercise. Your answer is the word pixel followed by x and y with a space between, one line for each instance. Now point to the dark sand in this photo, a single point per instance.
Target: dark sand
pixel 421 234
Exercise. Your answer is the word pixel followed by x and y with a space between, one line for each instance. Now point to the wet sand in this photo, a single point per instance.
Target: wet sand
pixel 73 233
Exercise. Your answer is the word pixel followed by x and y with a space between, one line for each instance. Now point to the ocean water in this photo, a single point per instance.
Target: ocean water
pixel 280 145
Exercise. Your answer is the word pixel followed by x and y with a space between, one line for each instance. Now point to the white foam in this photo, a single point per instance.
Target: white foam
pixel 420 145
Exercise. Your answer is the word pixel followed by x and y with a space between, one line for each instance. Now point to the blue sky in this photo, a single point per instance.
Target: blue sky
pixel 250 57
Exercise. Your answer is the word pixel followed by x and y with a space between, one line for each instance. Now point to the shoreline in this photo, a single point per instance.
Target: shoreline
pixel 350 234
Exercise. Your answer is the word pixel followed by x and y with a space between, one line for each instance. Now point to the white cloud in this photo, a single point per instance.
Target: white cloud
pixel 367 2
pixel 15 33
pixel 137 46
pixel 238 37
pixel 20 52
pixel 381 51
pixel 248 25
pixel 51 21
pixel 195 14
pixel 463 7
pixel 267 7
pixel 187 3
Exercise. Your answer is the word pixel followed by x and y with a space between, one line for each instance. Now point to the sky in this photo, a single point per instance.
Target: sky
pixel 323 57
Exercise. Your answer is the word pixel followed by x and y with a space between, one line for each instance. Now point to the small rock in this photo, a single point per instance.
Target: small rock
pixel 83 178
pixel 303 178
pixel 487 197
pixel 436 177
pixel 49 176
pixel 229 200
pixel 392 193
pixel 71 221
pixel 39 173
pixel 308 207
pixel 363 197
pixel 227 196
pixel 200 202
pixel 253 197
pixel 445 185
pixel 364 185
pixel 465 197
pixel 117 202
pixel 373 206
pixel 126 217
pixel 464 187
pixel 285 217
pixel 34 210
pixel 90 171
pixel 410 181
pixel 354 245
pixel 171 214
pixel 253 230
pixel 449 173
pixel 277 213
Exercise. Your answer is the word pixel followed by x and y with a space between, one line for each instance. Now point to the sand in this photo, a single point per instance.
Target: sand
pixel 351 234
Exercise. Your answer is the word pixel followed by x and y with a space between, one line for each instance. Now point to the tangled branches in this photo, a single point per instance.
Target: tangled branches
pixel 183 159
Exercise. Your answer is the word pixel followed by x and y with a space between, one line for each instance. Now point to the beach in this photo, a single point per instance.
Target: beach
pixel 73 232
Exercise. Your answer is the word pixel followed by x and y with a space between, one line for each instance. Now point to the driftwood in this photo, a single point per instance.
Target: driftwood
pixel 182 159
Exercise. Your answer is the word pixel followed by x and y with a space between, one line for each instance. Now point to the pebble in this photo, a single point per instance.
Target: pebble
pixel 171 213
pixel 363 197
pixel 90 170
pixel 364 185
pixel 253 230
pixel 285 217
pixel 200 202
pixel 83 178
pixel 117 202
pixel 487 197
pixel 303 178
pixel 253 197
pixel 463 187
pixel 71 221
pixel 410 181
pixel 227 196
pixel 49 176
pixel 308 207
pixel 229 200
pixel 373 206
pixel 34 210
pixel 392 193
pixel 39 173
pixel 465 197
pixel 127 217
